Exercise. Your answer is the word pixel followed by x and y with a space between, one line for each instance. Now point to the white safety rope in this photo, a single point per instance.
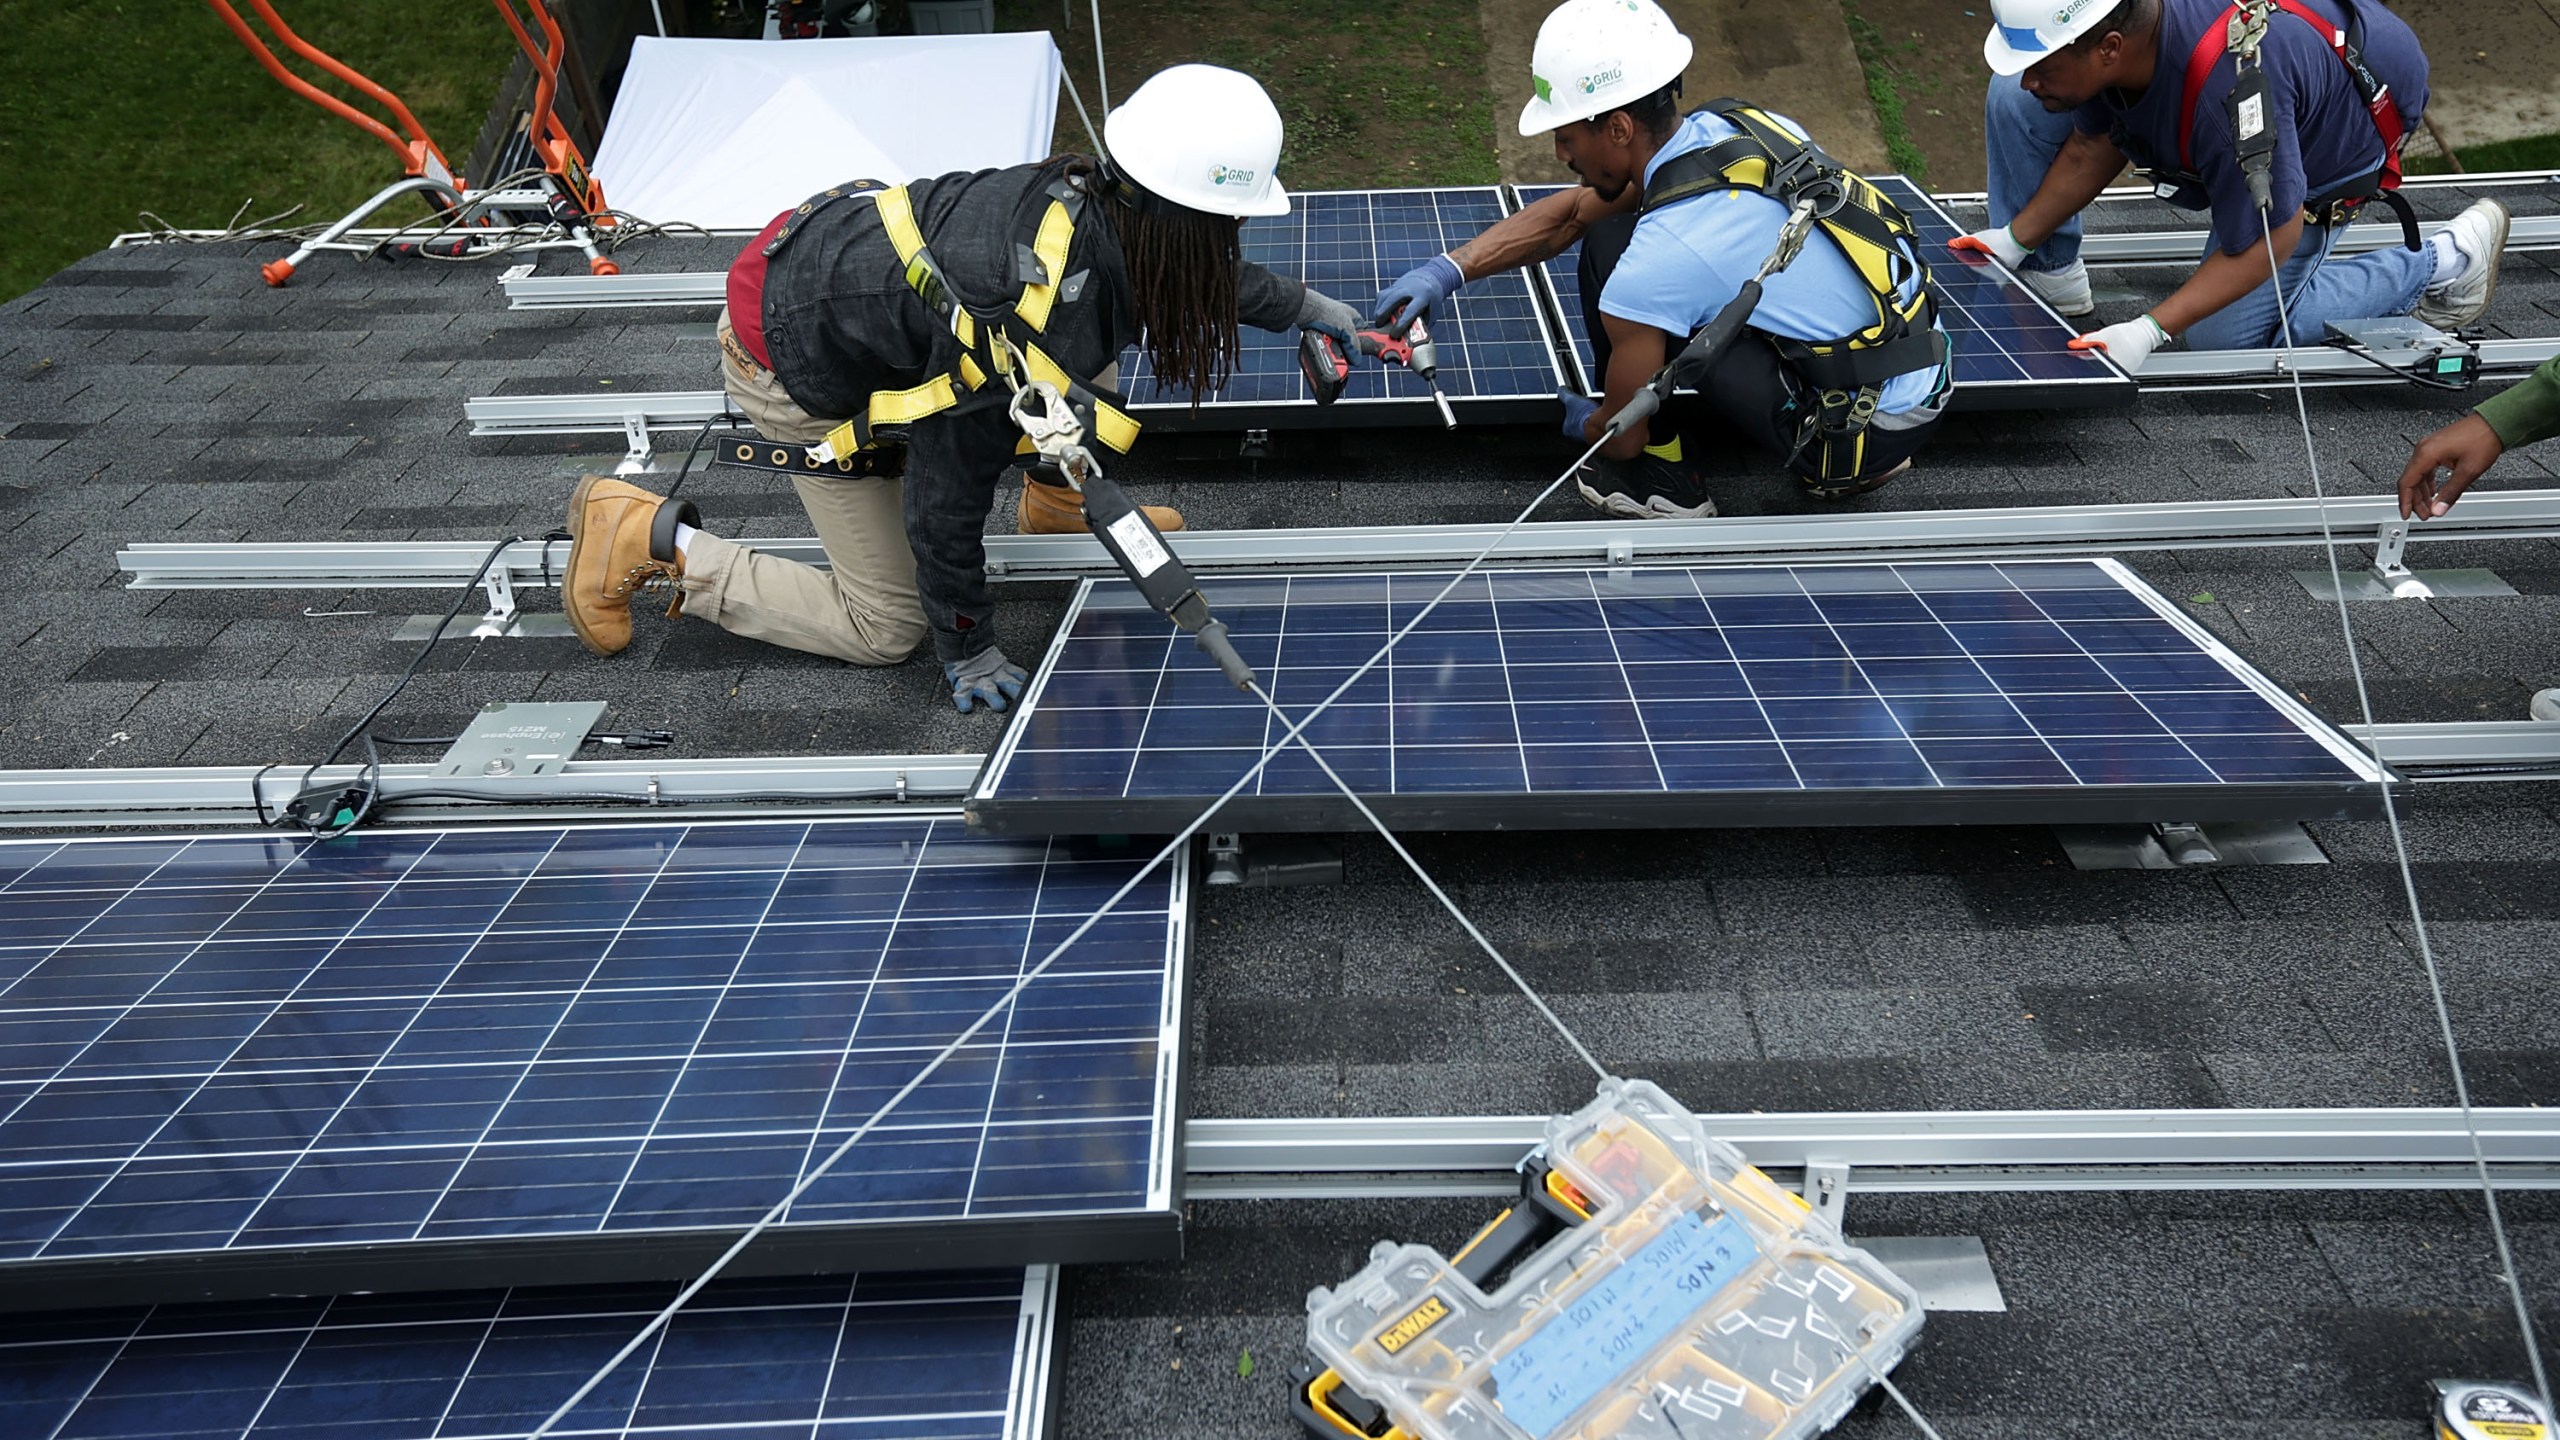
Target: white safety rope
pixel 988 1016
pixel 2400 843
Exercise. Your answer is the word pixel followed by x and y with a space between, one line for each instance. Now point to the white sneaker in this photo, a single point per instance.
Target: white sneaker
pixel 2066 290
pixel 2480 233
pixel 2546 705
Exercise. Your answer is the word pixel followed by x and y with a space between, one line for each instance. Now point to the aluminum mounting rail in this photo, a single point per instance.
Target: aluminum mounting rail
pixel 2494 749
pixel 1914 1151
pixel 2317 364
pixel 2124 247
pixel 220 794
pixel 528 291
pixel 598 414
pixel 1918 534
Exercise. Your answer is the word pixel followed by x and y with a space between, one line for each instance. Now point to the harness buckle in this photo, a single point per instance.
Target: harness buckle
pixel 1045 415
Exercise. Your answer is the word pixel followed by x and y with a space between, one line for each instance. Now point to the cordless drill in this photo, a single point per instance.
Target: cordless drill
pixel 1328 369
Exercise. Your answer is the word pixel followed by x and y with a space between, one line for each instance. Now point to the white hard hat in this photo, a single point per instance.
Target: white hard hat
pixel 1596 55
pixel 1201 136
pixel 2025 31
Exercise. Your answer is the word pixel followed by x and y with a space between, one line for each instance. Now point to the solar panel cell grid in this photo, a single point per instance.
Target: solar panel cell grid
pixel 1943 678
pixel 872 1356
pixel 246 1043
pixel 1491 344
pixel 2005 339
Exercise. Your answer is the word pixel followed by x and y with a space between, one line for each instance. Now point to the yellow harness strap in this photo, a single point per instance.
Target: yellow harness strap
pixel 986 352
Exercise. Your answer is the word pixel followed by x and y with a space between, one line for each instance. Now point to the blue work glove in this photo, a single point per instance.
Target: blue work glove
pixel 1578 410
pixel 984 678
pixel 1325 315
pixel 1422 288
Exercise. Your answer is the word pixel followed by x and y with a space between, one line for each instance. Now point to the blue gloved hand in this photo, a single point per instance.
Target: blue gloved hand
pixel 984 678
pixel 1578 410
pixel 1422 288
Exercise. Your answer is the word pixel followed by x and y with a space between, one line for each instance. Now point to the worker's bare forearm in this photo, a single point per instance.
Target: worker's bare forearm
pixel 2082 169
pixel 2222 279
pixel 1537 232
pixel 1636 354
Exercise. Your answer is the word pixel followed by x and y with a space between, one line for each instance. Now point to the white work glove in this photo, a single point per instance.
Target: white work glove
pixel 2128 343
pixel 1995 242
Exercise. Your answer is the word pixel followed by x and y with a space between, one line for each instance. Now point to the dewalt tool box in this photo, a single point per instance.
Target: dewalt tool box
pixel 1659 1288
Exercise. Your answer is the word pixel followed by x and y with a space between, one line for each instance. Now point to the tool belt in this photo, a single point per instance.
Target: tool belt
pixel 997 342
pixel 884 459
pixel 1845 376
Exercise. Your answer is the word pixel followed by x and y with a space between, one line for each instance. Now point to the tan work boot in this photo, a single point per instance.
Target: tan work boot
pixel 621 538
pixel 1058 510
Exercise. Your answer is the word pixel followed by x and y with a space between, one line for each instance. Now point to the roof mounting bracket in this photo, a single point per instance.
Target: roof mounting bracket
pixel 1826 1189
pixel 635 438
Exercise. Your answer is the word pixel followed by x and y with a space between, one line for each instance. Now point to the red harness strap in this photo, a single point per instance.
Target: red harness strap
pixel 2378 100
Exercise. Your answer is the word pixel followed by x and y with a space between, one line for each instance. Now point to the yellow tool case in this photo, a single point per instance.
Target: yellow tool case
pixel 1659 1288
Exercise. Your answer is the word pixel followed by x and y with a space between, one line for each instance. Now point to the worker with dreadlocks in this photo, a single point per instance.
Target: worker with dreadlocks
pixel 2335 85
pixel 1842 372
pixel 878 330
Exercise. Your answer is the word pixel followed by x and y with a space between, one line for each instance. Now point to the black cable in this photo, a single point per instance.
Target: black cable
pixel 367 785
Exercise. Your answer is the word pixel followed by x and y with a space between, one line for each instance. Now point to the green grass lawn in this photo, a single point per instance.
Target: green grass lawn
pixel 2533 152
pixel 117 106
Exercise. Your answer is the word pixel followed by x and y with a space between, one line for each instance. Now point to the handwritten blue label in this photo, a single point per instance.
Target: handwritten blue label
pixel 1611 1326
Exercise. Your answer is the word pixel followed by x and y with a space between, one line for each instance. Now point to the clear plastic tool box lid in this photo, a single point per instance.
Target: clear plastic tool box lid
pixel 1700 1301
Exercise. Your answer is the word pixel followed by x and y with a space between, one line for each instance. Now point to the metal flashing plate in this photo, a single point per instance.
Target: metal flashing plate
pixel 236 1065
pixel 1497 357
pixel 2010 346
pixel 2051 691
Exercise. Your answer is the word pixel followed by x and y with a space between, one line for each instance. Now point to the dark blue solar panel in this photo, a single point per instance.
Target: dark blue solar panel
pixel 253 1043
pixel 1939 677
pixel 2007 342
pixel 893 1356
pixel 1491 342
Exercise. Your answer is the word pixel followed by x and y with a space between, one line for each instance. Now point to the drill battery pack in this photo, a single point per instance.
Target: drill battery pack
pixel 1648 1285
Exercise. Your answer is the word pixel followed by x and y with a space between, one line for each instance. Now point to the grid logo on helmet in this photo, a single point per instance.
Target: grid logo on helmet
pixel 1230 175
pixel 2064 15
pixel 1591 83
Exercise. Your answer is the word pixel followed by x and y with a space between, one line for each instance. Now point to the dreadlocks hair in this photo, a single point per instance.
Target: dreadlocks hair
pixel 1183 268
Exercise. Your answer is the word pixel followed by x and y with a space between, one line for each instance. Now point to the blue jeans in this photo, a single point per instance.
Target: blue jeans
pixel 2019 143
pixel 2316 291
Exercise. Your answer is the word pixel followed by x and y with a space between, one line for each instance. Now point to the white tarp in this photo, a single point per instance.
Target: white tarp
pixel 730 133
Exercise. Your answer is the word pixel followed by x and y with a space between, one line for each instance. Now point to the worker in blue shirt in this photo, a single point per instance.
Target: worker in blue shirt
pixel 2157 83
pixel 1842 378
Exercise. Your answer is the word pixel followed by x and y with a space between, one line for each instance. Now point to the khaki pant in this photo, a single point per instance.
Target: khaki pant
pixel 866 610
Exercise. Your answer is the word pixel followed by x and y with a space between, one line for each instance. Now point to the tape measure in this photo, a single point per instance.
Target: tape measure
pixel 2488 1410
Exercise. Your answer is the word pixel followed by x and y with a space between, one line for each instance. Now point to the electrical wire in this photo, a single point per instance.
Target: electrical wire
pixel 367 786
pixel 2400 849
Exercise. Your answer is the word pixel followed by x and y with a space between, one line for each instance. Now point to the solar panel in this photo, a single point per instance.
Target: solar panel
pixel 1851 694
pixel 2011 348
pixel 963 1355
pixel 1496 355
pixel 538 1055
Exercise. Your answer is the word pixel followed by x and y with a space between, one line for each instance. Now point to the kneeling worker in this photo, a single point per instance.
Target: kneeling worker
pixel 2336 85
pixel 1842 371
pixel 870 331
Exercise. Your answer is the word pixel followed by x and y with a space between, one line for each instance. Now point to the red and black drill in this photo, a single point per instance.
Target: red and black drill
pixel 1328 369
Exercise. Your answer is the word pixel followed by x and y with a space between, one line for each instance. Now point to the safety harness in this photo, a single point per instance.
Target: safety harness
pixel 997 341
pixel 1848 373
pixel 2238 32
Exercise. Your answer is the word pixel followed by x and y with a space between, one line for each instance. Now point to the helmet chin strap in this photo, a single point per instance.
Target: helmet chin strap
pixel 1118 185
